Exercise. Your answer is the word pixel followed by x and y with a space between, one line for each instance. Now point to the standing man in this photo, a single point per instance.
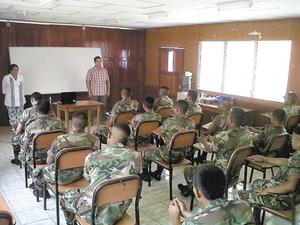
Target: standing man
pixel 13 89
pixel 97 82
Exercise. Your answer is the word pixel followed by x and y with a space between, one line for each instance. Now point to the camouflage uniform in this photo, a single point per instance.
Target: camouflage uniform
pixel 291 110
pixel 262 139
pixel 193 108
pixel 169 128
pixel 41 123
pixel 101 166
pixel 161 102
pixel 73 139
pixel 223 145
pixel 218 124
pixel 136 120
pixel 222 212
pixel 292 168
pixel 124 105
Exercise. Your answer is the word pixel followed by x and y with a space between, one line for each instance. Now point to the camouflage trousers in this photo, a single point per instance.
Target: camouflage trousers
pixel 14 114
pixel 80 201
pixel 188 175
pixel 278 202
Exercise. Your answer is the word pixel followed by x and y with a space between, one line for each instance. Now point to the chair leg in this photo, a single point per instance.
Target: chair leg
pixel 26 175
pixel 264 174
pixel 149 167
pixel 57 207
pixel 245 176
pixel 272 172
pixel 192 202
pixel 37 195
pixel 44 194
pixel 170 183
pixel 263 217
pixel 251 175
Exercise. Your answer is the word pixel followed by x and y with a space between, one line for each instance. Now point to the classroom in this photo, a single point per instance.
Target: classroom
pixel 150 112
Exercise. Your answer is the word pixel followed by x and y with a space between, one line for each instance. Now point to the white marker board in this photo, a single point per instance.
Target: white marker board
pixel 52 70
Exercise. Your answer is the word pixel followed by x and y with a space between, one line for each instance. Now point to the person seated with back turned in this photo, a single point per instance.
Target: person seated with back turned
pixel 290 106
pixel 76 138
pixel 148 115
pixel 113 162
pixel 268 192
pixel 194 107
pixel 209 186
pixel 28 115
pixel 169 128
pixel 126 104
pixel 265 134
pixel 43 122
pixel 163 100
pixel 223 145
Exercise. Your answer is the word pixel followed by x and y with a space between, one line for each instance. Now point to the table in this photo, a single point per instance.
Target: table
pixel 85 105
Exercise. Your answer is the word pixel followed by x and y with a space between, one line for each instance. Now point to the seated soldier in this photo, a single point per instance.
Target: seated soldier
pixel 209 186
pixel 219 123
pixel 77 138
pixel 169 128
pixel 43 122
pixel 267 192
pixel 126 104
pixel 163 100
pixel 223 145
pixel 28 115
pixel 113 162
pixel 191 98
pixel 264 135
pixel 290 106
pixel 148 115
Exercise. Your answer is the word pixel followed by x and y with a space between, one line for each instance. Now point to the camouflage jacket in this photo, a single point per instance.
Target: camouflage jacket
pixel 28 115
pixel 218 124
pixel 162 102
pixel 125 105
pixel 226 142
pixel 193 108
pixel 291 110
pixel 73 139
pixel 223 212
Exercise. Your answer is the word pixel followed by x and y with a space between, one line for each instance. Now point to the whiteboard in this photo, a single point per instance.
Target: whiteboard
pixel 52 70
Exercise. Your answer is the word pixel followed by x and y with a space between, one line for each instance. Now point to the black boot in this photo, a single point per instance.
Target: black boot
pixel 16 149
pixel 157 173
pixel 145 176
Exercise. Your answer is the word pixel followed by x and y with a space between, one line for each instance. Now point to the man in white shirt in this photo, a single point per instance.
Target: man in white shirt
pixel 12 88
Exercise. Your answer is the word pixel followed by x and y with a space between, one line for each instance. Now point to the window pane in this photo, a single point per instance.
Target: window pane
pixel 211 65
pixel 171 61
pixel 273 59
pixel 239 68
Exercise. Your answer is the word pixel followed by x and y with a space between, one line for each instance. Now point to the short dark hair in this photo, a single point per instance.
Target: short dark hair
pixel 12 66
pixel 124 127
pixel 183 105
pixel 127 91
pixel 237 115
pixel 97 57
pixel 193 94
pixel 80 120
pixel 148 102
pixel 37 96
pixel 297 130
pixel 279 115
pixel 210 180
pixel 165 89
pixel 43 107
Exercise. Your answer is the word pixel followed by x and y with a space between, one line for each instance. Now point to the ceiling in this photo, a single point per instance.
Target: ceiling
pixel 145 13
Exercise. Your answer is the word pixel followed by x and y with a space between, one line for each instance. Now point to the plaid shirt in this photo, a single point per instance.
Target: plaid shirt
pixel 98 79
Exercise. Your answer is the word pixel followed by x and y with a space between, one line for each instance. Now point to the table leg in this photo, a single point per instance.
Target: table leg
pixel 89 121
pixel 58 115
pixel 67 120
pixel 98 117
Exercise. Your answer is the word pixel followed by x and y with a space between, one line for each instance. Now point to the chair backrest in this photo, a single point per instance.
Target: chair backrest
pixel 236 162
pixel 115 191
pixel 43 140
pixel 69 158
pixel 292 122
pixel 124 117
pixel 183 139
pixel 197 118
pixel 277 142
pixel 145 128
pixel 166 112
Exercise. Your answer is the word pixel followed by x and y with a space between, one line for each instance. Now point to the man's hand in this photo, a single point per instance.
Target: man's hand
pixel 263 191
pixel 183 209
pixel 256 158
pixel 90 93
pixel 108 93
pixel 174 212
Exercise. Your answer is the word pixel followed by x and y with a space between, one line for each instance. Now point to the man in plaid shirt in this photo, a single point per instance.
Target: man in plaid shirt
pixel 97 82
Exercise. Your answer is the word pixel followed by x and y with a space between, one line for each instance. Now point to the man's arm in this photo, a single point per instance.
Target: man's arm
pixel 88 83
pixel 3 86
pixel 108 87
pixel 283 188
pixel 274 161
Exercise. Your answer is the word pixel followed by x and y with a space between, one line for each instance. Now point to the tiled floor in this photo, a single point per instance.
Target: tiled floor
pixel 153 205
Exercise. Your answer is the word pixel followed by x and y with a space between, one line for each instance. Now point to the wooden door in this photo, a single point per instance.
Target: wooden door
pixel 171 63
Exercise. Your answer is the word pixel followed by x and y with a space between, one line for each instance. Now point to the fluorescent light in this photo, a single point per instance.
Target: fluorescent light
pixel 233 5
pixel 48 3
pixel 157 15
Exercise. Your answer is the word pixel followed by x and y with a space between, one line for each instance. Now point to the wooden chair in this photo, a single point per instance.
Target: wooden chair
pixel 181 140
pixel 290 215
pixel 124 117
pixel 41 142
pixel 234 166
pixel 115 191
pixel 197 118
pixel 291 123
pixel 67 158
pixel 166 112
pixel 6 215
pixel 277 142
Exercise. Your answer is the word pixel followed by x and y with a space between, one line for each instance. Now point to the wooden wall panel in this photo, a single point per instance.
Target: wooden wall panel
pixel 124 70
pixel 188 37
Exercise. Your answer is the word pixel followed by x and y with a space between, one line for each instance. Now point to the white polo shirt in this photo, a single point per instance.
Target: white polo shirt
pixel 14 95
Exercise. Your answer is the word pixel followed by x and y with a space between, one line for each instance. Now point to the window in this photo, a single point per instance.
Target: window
pixel 257 69
pixel 171 61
